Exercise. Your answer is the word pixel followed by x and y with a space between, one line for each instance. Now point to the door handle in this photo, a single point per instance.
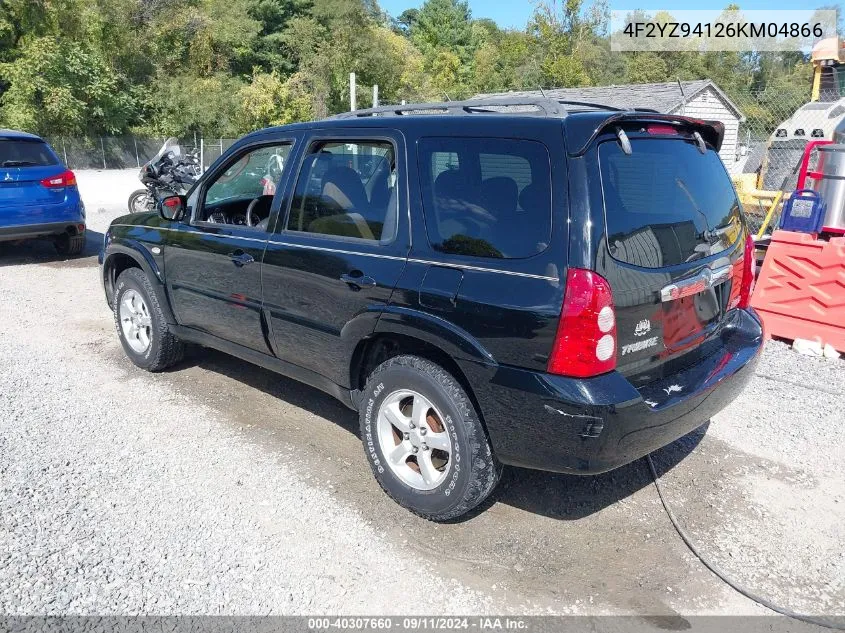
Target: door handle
pixel 239 258
pixel 357 280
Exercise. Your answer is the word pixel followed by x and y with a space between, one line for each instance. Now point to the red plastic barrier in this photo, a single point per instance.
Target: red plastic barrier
pixel 800 291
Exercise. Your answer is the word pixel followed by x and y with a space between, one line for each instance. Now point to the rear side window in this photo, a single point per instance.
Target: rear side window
pixel 666 203
pixel 486 197
pixel 25 153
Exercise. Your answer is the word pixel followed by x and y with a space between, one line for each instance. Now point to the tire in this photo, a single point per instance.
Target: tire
pixel 139 201
pixel 162 348
pixel 471 471
pixel 67 244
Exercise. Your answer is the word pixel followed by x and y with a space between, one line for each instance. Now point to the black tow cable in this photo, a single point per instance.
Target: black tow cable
pixel 828 624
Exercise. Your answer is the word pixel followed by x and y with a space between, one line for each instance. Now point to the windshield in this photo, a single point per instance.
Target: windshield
pixel 666 203
pixel 170 145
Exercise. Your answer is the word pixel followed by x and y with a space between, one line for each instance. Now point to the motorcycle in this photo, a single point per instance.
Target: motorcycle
pixel 169 172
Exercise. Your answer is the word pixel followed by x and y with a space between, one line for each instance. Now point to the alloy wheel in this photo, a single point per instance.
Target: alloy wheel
pixel 135 321
pixel 414 439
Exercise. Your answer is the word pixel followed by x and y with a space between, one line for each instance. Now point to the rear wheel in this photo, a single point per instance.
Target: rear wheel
pixel 424 439
pixel 140 201
pixel 67 244
pixel 140 323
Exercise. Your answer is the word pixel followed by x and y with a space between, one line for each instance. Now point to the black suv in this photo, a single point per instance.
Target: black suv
pixel 554 285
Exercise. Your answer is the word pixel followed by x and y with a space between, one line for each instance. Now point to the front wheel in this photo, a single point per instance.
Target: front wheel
pixel 424 439
pixel 140 201
pixel 141 326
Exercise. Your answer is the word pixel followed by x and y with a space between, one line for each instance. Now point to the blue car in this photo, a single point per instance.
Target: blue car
pixel 38 195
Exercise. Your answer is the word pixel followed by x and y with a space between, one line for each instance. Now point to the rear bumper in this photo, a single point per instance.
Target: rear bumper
pixel 32 231
pixel 547 422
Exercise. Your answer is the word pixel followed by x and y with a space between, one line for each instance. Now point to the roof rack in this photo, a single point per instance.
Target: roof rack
pixel 541 106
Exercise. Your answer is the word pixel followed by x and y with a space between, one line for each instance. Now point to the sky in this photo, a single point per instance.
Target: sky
pixel 515 13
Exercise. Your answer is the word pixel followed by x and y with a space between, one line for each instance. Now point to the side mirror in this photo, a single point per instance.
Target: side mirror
pixel 171 207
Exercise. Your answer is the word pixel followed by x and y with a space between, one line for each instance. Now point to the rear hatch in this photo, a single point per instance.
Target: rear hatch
pixel 24 163
pixel 674 230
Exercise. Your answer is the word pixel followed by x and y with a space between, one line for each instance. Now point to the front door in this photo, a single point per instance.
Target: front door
pixel 330 267
pixel 213 259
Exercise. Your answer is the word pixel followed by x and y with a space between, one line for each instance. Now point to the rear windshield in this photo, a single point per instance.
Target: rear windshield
pixel 666 203
pixel 25 153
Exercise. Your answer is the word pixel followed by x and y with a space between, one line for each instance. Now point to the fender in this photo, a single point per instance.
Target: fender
pixel 473 359
pixel 359 327
pixel 141 254
pixel 453 340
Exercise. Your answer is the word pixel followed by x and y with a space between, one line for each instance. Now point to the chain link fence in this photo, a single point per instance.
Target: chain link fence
pixel 127 152
pixel 777 126
pixel 776 129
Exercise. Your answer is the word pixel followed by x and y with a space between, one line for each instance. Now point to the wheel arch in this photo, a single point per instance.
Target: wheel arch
pixel 387 342
pixel 124 254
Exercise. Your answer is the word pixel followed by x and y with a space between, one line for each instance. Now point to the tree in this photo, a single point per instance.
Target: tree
pixel 270 100
pixel 273 16
pixel 559 34
pixel 220 67
pixel 646 68
pixel 407 20
pixel 444 75
pixel 62 87
pixel 444 25
pixel 182 105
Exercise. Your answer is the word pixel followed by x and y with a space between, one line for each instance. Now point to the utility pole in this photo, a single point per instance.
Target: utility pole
pixel 352 107
pixel 375 95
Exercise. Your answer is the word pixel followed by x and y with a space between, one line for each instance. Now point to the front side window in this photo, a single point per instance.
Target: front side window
pixel 243 193
pixel 255 174
pixel 486 197
pixel 347 189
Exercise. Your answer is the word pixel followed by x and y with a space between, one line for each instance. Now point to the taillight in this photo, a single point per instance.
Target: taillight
pixel 745 269
pixel 585 344
pixel 65 179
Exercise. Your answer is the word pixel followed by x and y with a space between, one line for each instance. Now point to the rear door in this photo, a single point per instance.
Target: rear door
pixel 24 163
pixel 674 229
pixel 332 264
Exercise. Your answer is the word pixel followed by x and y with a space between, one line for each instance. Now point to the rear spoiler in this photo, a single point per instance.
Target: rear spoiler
pixel 713 132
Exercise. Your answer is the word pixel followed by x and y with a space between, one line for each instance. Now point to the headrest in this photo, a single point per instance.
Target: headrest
pixel 343 186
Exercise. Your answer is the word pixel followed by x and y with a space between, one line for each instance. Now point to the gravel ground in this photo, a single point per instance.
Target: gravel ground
pixel 768 485
pixel 222 488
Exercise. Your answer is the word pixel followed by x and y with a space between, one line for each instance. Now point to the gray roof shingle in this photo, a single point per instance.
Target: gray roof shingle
pixel 663 97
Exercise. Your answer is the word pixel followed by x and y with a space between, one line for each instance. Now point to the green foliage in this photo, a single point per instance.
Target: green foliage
pixel 270 100
pixel 180 105
pixel 444 25
pixel 225 67
pixel 646 68
pixel 59 86
pixel 560 36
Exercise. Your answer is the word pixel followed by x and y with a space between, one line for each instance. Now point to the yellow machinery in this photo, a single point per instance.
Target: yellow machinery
pixel 766 187
pixel 828 60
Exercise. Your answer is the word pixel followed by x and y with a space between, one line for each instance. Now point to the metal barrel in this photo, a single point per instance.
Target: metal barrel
pixel 831 185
